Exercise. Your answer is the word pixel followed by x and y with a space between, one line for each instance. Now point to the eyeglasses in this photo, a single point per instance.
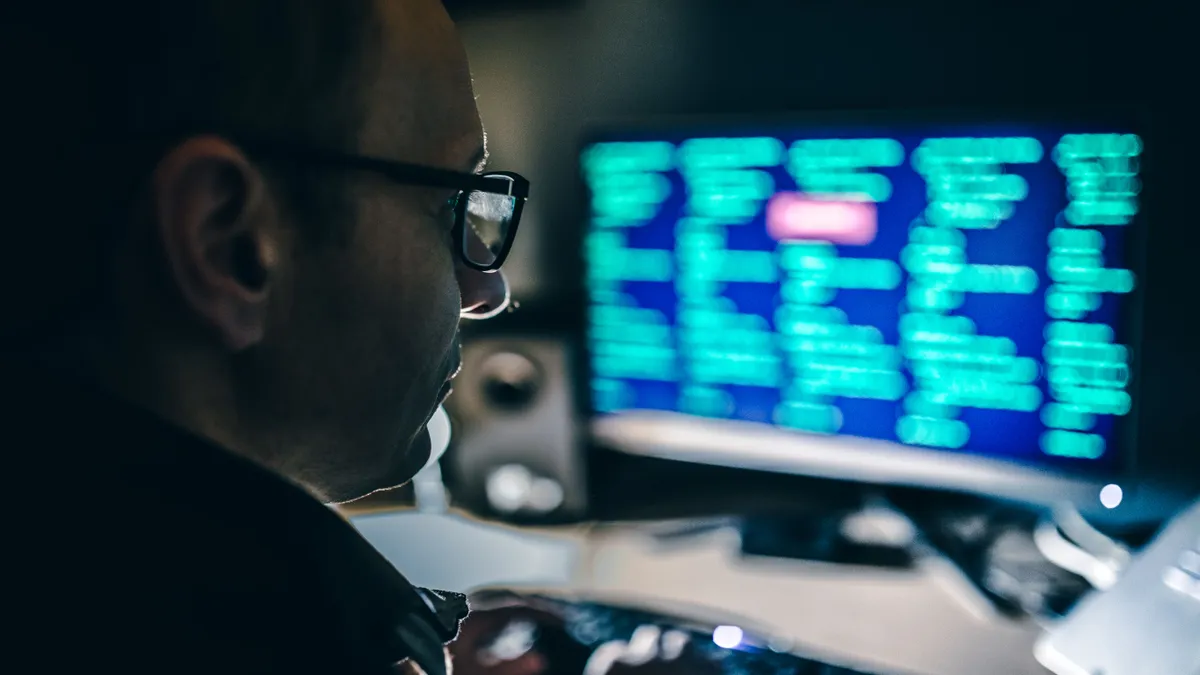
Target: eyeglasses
pixel 489 203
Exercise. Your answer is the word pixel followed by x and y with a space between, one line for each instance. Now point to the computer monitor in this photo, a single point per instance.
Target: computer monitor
pixel 953 301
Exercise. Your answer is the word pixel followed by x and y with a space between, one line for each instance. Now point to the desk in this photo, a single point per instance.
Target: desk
pixel 926 621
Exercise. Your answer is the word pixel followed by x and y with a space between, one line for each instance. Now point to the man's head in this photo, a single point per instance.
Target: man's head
pixel 301 315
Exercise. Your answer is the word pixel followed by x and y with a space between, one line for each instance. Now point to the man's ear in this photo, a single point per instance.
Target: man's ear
pixel 217 229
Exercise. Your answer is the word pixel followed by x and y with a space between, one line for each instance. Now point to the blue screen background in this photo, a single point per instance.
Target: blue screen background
pixel 1019 240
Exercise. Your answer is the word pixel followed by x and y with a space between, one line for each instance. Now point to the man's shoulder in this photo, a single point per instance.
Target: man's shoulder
pixel 155 539
pixel 152 590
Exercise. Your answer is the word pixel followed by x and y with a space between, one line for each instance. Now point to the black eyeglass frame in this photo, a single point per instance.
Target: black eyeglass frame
pixel 504 183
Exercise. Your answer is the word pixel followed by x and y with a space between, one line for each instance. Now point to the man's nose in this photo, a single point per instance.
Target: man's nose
pixel 484 294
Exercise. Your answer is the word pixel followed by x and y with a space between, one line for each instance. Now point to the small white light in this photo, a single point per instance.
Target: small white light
pixel 727 637
pixel 1111 496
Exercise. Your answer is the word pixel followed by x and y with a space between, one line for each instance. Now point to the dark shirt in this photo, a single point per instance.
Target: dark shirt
pixel 135 547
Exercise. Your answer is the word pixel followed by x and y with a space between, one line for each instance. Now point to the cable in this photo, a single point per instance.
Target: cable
pixel 1100 572
pixel 1072 524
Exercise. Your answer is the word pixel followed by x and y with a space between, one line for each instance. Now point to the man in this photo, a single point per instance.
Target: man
pixel 240 237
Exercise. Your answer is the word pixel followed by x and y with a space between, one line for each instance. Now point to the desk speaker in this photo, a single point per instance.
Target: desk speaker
pixel 516 451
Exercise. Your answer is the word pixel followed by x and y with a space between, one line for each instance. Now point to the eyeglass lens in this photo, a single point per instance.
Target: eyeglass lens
pixel 489 217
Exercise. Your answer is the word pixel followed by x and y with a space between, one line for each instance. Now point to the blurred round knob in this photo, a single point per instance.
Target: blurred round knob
pixel 511 381
pixel 512 488
pixel 508 487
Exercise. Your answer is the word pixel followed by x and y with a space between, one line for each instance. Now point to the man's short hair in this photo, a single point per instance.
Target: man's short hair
pixel 94 91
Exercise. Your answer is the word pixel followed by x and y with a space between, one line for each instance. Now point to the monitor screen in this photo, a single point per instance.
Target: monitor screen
pixel 965 288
